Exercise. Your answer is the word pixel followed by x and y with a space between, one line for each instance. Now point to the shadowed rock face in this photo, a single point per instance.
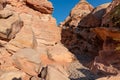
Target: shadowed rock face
pixel 79 38
pixel 97 34
pixel 107 62
pixel 94 19
pixel 109 17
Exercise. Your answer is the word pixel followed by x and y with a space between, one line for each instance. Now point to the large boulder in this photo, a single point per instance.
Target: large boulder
pixel 27 60
pixel 43 6
pixel 54 74
pixel 9 18
pixel 60 54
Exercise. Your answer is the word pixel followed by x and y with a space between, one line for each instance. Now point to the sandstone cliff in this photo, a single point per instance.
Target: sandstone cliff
pixel 31 43
pixel 95 35
pixel 77 13
pixel 30 47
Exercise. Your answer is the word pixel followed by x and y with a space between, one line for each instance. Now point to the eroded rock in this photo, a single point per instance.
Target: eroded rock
pixel 28 61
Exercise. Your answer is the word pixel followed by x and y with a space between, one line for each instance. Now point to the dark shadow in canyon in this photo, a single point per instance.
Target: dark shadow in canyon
pixel 76 44
pixel 88 75
pixel 16 79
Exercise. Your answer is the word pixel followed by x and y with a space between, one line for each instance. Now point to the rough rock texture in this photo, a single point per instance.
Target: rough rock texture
pixel 60 54
pixel 54 74
pixel 108 60
pixel 110 78
pixel 80 39
pixel 94 19
pixel 111 18
pixel 97 37
pixel 30 47
pixel 77 13
pixel 2 4
pixel 29 40
pixel 39 5
pixel 12 75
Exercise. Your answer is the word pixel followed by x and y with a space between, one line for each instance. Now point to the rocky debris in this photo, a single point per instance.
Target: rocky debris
pixel 79 72
pixel 30 41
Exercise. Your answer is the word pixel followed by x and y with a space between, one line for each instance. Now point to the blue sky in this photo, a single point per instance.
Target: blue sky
pixel 62 8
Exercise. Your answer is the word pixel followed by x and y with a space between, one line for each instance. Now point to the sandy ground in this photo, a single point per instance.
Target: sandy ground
pixel 77 71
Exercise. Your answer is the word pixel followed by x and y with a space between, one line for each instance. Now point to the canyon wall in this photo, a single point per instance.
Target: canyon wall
pixel 30 47
pixel 95 33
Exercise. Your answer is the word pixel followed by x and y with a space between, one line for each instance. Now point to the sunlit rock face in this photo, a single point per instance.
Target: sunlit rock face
pixel 29 39
pixel 77 13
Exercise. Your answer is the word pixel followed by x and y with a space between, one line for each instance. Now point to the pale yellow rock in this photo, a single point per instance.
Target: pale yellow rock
pixel 12 75
pixel 54 74
pixel 60 53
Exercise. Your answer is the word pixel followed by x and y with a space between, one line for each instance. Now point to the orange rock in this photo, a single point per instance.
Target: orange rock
pixel 82 9
pixel 28 61
pixel 103 33
pixel 59 53
pixel 108 18
pixel 40 5
pixel 107 62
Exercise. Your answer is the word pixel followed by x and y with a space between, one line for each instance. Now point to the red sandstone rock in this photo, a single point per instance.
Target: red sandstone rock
pixel 94 19
pixel 79 38
pixel 108 19
pixel 108 60
pixel 77 13
pixel 40 5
